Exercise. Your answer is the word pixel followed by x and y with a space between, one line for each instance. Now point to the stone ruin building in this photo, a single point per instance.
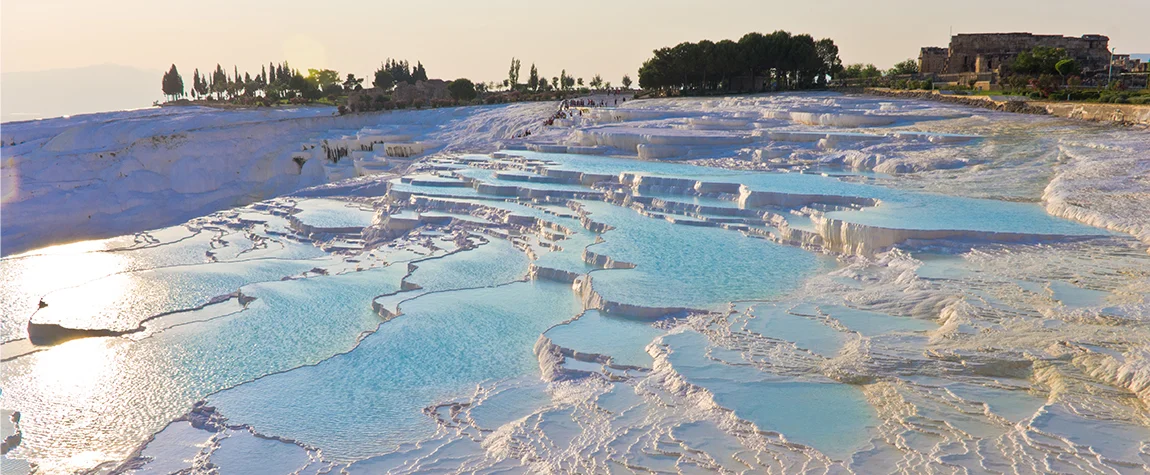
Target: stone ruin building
pixel 983 53
pixel 373 98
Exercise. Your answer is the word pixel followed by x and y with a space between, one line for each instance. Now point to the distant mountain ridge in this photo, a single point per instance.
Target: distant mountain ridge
pixel 58 92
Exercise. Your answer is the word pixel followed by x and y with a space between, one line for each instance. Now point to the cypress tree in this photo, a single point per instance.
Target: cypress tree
pixel 533 79
pixel 172 84
pixel 419 74
pixel 195 83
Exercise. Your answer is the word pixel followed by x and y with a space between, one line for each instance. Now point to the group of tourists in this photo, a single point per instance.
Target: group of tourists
pixel 571 108
pixel 569 103
pixel 562 113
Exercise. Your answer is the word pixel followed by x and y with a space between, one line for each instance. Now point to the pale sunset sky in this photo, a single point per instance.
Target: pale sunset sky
pixel 477 39
pixel 120 48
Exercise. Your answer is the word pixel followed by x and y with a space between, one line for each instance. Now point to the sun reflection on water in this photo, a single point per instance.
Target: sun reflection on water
pixel 66 264
pixel 72 370
pixel 28 278
pixel 72 382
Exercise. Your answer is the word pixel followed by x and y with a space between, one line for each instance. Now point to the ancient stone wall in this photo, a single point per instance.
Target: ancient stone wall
pixel 432 89
pixel 932 60
pixel 983 52
pixel 422 92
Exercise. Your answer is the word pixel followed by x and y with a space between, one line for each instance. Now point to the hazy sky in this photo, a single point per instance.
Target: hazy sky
pixel 476 38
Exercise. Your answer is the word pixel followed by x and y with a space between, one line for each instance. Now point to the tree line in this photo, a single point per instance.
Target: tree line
pixel 276 82
pixel 776 61
pixel 538 82
pixel 392 72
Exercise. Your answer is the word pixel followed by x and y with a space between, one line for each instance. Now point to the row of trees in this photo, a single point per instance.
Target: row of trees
pixel 780 60
pixel 870 71
pixel 537 82
pixel 1050 73
pixel 860 71
pixel 280 81
pixel 392 72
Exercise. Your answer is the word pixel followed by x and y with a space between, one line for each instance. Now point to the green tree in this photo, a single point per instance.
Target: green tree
pixel 172 84
pixel 352 83
pixel 780 59
pixel 626 81
pixel 784 56
pixel 383 79
pixel 400 71
pixel 305 87
pixel 284 74
pixel 596 81
pixel 322 79
pixel 533 78
pixel 860 71
pixel 237 83
pixel 1038 61
pixel 195 83
pixel 462 89
pixel 202 87
pixel 829 55
pixel 909 66
pixel 707 66
pixel 513 73
pixel 726 60
pixel 753 56
pixel 219 84
pixel 1067 67
pixel 688 61
pixel 419 74
pixel 803 62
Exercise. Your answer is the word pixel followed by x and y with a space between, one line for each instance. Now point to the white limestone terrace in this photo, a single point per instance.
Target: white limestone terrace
pixel 108 174
pixel 1093 177
pixel 970 354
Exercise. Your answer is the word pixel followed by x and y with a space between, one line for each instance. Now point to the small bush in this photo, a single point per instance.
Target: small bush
pixel 1083 94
